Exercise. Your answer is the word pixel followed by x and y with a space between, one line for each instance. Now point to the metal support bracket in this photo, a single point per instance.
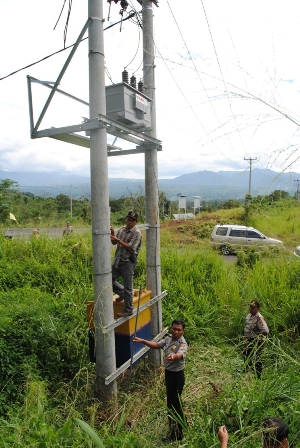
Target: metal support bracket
pixel 53 90
pixel 97 18
pixel 120 321
pixel 135 133
pixel 99 232
pixel 136 356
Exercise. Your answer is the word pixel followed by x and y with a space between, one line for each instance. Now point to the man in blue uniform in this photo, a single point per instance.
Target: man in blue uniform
pixel 175 348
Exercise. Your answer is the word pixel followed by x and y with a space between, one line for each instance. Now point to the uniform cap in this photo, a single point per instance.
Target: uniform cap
pixel 132 214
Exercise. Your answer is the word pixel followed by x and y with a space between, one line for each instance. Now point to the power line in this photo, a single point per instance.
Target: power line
pixel 190 106
pixel 221 72
pixel 63 49
pixel 192 59
pixel 245 94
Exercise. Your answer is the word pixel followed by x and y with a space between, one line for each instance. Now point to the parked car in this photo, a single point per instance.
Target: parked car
pixel 297 251
pixel 229 237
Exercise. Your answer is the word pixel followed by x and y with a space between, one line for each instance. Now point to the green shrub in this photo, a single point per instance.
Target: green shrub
pixel 40 335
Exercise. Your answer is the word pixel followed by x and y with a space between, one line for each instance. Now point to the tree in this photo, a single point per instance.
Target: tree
pixel 163 204
pixel 231 203
pixel 276 195
pixel 6 185
pixel 116 205
pixel 63 203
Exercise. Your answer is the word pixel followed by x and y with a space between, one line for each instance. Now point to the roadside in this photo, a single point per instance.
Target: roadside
pixel 53 232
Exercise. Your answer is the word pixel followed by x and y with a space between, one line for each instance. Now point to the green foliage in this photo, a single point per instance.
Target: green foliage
pixel 203 229
pixel 230 203
pixel 46 284
pixel 278 194
pixel 247 258
pixel 90 432
pixel 40 335
pixel 5 186
pixel 116 205
pixel 46 378
pixel 63 203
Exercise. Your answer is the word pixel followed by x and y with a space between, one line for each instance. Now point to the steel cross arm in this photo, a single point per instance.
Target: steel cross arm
pixel 48 84
pixel 93 124
pixel 146 146
pixel 120 321
pixel 61 75
pixel 112 131
pixel 136 356
pixel 124 152
pixel 80 140
pixel 141 146
pixel 128 130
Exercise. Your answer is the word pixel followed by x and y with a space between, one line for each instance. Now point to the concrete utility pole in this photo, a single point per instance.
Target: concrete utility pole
pixel 151 182
pixel 103 311
pixel 250 160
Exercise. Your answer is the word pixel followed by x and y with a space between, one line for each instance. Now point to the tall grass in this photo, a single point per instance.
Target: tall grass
pixel 281 221
pixel 47 382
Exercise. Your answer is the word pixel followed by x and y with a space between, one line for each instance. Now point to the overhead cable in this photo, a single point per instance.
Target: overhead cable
pixel 63 49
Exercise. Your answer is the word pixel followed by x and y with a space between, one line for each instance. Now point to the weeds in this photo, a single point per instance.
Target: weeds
pixel 47 383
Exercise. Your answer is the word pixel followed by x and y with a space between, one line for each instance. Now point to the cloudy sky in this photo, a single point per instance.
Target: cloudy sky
pixel 227 79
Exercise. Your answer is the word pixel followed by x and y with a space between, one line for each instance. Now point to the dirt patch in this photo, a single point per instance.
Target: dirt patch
pixel 189 222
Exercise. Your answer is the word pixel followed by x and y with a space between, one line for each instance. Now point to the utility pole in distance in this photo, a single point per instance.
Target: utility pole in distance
pixel 71 202
pixel 250 161
pixel 297 181
pixel 103 307
pixel 151 182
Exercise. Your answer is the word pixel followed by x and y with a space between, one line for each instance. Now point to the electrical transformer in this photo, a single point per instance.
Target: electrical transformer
pixel 128 105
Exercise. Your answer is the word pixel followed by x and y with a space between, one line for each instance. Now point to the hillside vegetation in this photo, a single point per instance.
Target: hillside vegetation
pixel 47 382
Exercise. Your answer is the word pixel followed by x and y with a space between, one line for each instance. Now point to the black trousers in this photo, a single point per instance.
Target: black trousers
pixel 252 355
pixel 174 386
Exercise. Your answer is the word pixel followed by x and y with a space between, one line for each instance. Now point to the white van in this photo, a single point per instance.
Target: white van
pixel 229 237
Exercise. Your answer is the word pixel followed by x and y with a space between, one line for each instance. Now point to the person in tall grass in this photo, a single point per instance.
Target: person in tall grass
pixel 128 241
pixel 274 433
pixel 175 348
pixel 35 234
pixel 255 330
pixel 68 229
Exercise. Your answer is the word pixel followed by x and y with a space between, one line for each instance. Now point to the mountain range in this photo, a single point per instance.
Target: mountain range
pixel 209 185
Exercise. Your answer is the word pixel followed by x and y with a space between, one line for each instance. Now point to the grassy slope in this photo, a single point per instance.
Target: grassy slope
pixel 48 284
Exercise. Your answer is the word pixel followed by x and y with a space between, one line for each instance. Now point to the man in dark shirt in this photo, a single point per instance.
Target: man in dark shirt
pixel 255 330
pixel 175 348
pixel 128 240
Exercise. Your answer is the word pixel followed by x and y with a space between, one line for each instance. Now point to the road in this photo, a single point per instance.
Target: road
pixel 53 232
pixel 230 258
